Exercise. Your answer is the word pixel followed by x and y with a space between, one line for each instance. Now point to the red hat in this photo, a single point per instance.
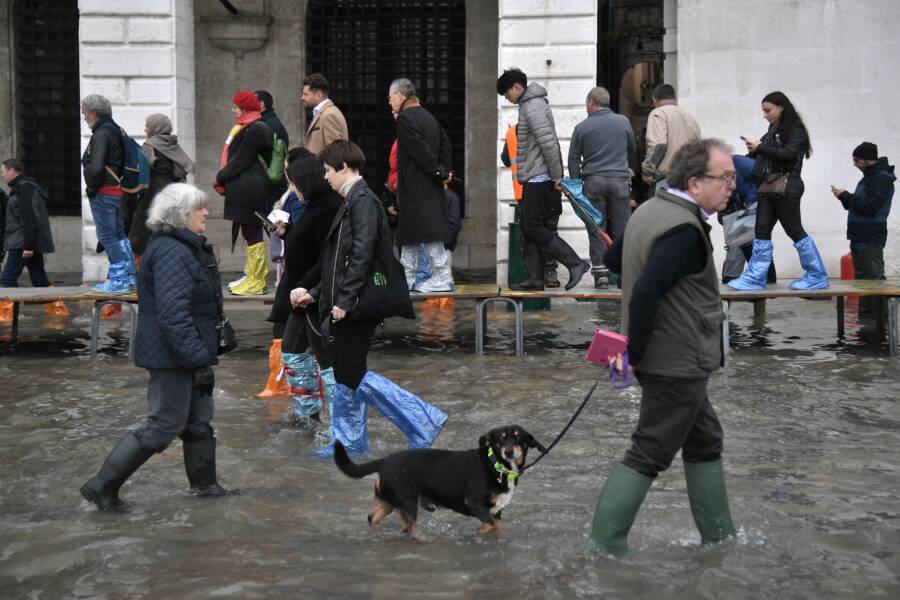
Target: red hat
pixel 246 100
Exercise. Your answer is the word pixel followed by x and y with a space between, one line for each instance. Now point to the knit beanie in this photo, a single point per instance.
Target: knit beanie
pixel 866 151
pixel 246 101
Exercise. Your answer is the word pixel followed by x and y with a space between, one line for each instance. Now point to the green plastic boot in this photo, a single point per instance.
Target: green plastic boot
pixel 617 507
pixel 709 502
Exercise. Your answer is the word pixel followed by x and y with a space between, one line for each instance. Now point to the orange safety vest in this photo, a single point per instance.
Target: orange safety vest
pixel 513 152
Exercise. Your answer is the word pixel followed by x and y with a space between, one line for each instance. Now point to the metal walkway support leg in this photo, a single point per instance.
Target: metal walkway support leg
pixel 14 333
pixel 893 323
pixel 95 325
pixel 481 320
pixel 726 329
pixel 840 317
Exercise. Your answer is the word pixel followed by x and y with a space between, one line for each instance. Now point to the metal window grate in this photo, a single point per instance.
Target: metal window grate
pixel 46 95
pixel 363 45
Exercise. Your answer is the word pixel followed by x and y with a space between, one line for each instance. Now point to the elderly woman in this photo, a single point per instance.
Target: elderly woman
pixel 245 184
pixel 168 164
pixel 346 262
pixel 180 299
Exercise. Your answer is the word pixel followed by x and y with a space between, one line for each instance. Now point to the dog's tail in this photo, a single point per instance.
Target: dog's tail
pixel 350 468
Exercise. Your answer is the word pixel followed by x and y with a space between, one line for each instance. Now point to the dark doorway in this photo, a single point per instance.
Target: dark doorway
pixel 630 64
pixel 363 45
pixel 48 129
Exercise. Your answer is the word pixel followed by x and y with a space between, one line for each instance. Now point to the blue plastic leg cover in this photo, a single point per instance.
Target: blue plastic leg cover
pixel 327 376
pixel 423 269
pixel 754 276
pixel 302 376
pixel 419 421
pixel 348 423
pixel 117 281
pixel 130 268
pixel 815 278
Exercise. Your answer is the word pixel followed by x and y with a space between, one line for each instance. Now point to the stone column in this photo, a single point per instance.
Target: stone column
pixel 139 55
pixel 670 42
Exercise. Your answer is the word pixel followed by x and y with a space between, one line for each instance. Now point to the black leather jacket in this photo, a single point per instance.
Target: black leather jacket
pixel 781 150
pixel 104 149
pixel 349 249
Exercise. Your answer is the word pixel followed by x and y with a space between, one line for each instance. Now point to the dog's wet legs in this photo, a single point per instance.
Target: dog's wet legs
pixel 409 523
pixel 495 528
pixel 381 510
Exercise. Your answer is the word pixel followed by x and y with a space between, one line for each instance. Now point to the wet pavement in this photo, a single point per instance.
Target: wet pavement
pixel 812 444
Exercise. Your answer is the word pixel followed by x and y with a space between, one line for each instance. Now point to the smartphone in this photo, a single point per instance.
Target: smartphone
pixel 269 225
pixel 745 139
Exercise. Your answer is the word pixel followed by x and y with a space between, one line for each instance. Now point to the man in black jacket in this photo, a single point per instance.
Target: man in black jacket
pixel 27 234
pixel 672 314
pixel 276 127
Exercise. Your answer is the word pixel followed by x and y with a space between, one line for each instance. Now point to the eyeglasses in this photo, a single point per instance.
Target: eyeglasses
pixel 728 177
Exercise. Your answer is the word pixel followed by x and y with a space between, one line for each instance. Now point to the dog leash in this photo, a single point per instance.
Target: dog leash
pixel 569 424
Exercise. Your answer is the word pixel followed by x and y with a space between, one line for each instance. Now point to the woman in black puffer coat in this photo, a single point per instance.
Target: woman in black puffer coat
pixel 780 152
pixel 179 300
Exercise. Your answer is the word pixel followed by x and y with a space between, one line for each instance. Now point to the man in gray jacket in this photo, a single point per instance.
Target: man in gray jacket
pixel 539 170
pixel 598 154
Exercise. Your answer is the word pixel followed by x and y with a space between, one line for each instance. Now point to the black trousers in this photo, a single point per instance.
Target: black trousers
pixel 176 409
pixel 868 263
pixel 771 209
pixel 675 415
pixel 539 200
pixel 349 349
pixel 301 334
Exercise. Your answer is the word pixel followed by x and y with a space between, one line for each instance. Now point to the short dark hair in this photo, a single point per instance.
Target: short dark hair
pixel 509 78
pixel 307 173
pixel 341 152
pixel 664 91
pixel 295 153
pixel 317 81
pixel 691 160
pixel 14 164
pixel 266 98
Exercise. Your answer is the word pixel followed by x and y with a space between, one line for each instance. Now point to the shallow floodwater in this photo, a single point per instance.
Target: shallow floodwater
pixel 812 452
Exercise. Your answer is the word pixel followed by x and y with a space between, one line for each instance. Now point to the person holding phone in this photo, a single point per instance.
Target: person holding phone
pixel 779 158
pixel 346 261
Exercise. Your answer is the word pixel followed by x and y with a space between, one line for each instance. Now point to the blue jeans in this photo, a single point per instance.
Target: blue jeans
pixel 14 265
pixel 109 218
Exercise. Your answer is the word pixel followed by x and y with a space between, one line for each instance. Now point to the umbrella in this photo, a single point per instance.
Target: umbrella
pixel 593 218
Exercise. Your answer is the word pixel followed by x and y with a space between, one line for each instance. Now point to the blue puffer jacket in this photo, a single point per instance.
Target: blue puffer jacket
pixel 179 294
pixel 868 207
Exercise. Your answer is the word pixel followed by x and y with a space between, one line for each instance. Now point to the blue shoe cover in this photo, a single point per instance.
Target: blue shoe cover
pixel 419 421
pixel 815 277
pixel 301 370
pixel 348 423
pixel 327 376
pixel 130 267
pixel 754 276
pixel 117 280
pixel 423 268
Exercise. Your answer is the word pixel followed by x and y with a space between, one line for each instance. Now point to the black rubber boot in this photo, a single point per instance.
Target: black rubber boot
pixel 534 269
pixel 563 252
pixel 126 458
pixel 200 465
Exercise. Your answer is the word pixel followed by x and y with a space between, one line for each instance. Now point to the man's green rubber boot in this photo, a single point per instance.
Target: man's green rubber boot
pixel 617 507
pixel 709 502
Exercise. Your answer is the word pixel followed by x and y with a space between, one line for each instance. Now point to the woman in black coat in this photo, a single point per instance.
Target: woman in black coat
pixel 310 377
pixel 179 300
pixel 246 186
pixel 780 154
pixel 346 263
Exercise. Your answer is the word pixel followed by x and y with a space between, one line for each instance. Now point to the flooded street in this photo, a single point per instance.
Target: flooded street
pixel 812 458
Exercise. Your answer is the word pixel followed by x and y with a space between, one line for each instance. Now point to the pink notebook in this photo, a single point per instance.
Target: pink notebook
pixel 605 344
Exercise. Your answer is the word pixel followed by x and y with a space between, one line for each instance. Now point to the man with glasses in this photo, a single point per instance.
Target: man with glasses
pixel 672 314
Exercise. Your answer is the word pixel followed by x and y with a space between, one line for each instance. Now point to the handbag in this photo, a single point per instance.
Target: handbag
pixel 227 339
pixel 773 184
pixel 739 227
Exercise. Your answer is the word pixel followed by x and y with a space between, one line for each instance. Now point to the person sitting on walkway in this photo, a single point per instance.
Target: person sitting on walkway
pixel 26 237
pixel 867 209
pixel 179 301
pixel 670 295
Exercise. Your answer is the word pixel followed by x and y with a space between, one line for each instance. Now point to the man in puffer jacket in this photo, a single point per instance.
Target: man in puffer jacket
pixel 867 213
pixel 540 169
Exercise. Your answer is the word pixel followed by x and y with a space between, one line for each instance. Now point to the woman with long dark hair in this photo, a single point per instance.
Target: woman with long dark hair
pixel 779 154
pixel 346 262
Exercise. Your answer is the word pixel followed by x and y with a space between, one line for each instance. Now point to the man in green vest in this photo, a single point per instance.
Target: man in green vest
pixel 672 314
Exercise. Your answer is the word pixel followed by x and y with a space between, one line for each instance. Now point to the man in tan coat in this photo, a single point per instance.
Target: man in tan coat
pixel 328 123
pixel 669 128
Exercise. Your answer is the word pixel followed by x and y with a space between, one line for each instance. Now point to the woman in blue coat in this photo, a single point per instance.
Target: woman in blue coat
pixel 179 301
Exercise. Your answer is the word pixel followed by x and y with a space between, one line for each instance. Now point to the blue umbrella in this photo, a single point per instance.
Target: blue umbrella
pixel 593 218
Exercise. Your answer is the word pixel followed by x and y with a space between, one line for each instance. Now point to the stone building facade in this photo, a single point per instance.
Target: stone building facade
pixel 186 58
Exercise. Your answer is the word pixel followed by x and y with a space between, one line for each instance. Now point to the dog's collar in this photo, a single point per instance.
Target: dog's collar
pixel 498 466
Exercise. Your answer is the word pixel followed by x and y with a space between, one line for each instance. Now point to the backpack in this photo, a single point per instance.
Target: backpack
pixel 275 167
pixel 135 174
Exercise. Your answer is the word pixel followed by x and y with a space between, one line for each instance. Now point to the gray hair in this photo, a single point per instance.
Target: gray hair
pixel 691 160
pixel 599 96
pixel 404 86
pixel 97 104
pixel 172 207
